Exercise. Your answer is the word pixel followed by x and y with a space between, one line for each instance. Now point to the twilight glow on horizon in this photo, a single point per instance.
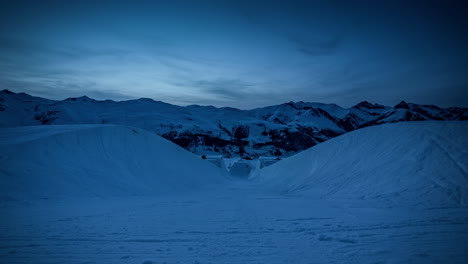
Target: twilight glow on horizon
pixel 242 54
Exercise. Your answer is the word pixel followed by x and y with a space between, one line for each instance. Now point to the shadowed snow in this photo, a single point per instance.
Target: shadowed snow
pixel 96 160
pixel 403 163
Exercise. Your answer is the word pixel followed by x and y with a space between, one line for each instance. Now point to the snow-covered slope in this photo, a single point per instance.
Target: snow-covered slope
pixel 279 130
pixel 422 163
pixel 96 160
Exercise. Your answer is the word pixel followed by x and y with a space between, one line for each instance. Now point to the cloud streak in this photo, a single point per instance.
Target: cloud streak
pixel 317 46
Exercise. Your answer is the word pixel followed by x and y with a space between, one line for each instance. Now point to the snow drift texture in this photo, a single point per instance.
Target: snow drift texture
pixel 422 163
pixel 96 160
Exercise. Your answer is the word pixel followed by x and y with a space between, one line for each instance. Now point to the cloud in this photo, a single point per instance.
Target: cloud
pixel 221 92
pixel 36 52
pixel 241 93
pixel 316 46
pixel 53 71
pixel 226 89
pixel 54 89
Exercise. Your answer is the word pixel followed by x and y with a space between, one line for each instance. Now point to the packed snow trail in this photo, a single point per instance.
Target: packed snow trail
pixel 234 224
pixel 418 163
pixel 96 160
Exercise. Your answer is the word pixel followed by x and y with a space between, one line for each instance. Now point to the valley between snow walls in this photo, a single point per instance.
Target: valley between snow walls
pixel 408 163
pixel 393 193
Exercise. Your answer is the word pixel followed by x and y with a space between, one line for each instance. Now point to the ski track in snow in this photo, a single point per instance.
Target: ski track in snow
pixel 239 224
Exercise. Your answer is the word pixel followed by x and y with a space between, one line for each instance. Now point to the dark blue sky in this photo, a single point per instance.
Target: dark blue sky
pixel 238 53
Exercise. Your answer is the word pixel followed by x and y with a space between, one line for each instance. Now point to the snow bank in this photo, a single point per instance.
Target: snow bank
pixel 423 163
pixel 96 160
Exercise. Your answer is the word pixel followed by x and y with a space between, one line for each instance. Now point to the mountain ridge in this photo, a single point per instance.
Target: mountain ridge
pixel 277 130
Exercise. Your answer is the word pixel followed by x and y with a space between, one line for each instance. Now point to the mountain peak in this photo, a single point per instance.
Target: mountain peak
pixel 145 100
pixel 367 105
pixel 7 91
pixel 402 105
pixel 83 98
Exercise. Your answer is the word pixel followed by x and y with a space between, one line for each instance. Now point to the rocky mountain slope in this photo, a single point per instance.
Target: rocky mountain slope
pixel 279 130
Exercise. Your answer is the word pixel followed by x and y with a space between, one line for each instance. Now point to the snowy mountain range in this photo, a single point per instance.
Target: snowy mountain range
pixel 279 130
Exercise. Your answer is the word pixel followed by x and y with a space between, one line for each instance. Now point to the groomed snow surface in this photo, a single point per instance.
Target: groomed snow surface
pixel 394 193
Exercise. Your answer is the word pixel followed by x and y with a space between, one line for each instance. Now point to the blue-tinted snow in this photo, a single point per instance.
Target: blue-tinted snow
pixel 229 220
